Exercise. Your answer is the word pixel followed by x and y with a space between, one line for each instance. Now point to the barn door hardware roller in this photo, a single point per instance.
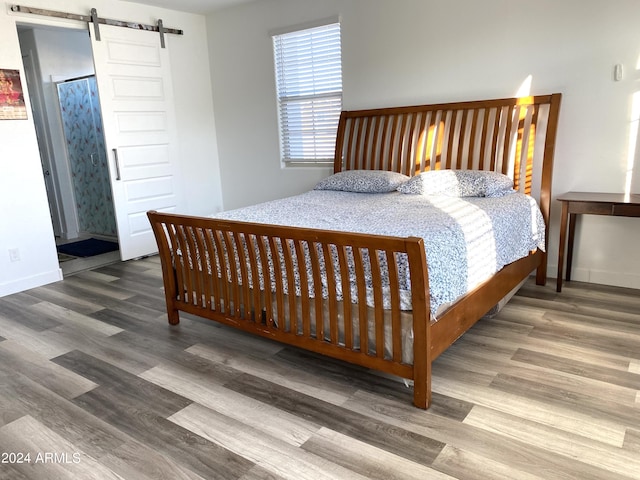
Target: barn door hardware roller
pixel 96 21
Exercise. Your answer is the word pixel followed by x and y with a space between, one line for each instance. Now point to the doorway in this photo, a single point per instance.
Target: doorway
pixel 59 69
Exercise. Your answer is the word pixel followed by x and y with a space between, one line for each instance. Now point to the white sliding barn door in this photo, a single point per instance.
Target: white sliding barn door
pixel 136 95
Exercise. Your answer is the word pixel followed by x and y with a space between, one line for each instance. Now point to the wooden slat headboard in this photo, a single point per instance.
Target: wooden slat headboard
pixel 507 135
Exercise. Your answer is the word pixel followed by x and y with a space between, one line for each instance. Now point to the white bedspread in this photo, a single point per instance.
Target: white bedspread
pixel 467 240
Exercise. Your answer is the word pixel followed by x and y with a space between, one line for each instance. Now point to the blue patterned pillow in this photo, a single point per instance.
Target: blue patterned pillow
pixel 459 183
pixel 363 181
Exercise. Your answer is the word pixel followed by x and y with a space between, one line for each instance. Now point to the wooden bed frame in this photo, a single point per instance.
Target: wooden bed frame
pixel 515 136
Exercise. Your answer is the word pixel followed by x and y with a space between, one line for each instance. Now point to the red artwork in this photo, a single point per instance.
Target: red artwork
pixel 12 105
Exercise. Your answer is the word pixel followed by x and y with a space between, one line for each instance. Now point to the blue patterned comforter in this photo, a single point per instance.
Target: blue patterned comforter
pixel 467 240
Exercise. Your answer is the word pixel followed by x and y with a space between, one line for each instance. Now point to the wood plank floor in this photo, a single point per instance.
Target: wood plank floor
pixel 94 384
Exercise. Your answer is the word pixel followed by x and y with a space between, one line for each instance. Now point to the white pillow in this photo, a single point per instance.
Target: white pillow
pixel 459 183
pixel 363 181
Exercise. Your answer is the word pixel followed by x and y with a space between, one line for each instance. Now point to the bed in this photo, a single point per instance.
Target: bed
pixel 352 281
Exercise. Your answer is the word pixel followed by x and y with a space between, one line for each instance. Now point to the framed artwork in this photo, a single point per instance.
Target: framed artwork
pixel 12 105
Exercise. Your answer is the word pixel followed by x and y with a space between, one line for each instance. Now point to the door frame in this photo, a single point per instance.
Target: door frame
pixel 64 198
pixel 49 169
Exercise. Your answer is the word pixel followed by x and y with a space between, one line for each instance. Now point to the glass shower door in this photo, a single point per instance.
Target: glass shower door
pixel 82 124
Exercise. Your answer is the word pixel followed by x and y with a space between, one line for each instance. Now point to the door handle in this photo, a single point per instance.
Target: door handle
pixel 115 157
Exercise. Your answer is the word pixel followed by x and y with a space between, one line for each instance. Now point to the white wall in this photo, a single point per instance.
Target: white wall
pixel 423 51
pixel 24 219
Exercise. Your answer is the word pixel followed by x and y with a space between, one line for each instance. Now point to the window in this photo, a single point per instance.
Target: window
pixel 308 65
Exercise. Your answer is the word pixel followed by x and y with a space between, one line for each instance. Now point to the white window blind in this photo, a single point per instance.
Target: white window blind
pixel 308 65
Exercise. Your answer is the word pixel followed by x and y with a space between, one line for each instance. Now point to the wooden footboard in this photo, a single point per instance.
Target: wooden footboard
pixel 275 282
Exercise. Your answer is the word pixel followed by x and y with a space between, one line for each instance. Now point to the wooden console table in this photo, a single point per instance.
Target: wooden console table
pixel 576 203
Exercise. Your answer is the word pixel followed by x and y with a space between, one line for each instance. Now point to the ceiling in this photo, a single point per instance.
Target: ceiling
pixel 193 6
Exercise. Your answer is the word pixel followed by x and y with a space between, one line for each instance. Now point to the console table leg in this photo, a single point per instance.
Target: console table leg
pixel 572 231
pixel 563 242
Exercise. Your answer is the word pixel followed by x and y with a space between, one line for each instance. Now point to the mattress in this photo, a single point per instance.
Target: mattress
pixel 467 239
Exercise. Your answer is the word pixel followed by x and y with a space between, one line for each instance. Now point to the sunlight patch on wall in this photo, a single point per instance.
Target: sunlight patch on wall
pixel 525 87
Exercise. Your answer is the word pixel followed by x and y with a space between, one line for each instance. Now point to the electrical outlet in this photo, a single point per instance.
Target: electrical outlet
pixel 14 254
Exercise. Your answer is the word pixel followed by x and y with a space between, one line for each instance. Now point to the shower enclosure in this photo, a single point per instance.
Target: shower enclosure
pixel 82 125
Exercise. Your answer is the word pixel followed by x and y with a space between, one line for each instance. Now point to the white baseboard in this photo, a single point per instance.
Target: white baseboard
pixel 603 277
pixel 27 283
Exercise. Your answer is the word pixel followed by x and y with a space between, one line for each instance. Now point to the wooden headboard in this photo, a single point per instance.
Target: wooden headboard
pixel 509 135
pixel 514 136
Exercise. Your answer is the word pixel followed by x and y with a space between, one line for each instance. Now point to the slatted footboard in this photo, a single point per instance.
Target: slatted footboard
pixel 334 293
